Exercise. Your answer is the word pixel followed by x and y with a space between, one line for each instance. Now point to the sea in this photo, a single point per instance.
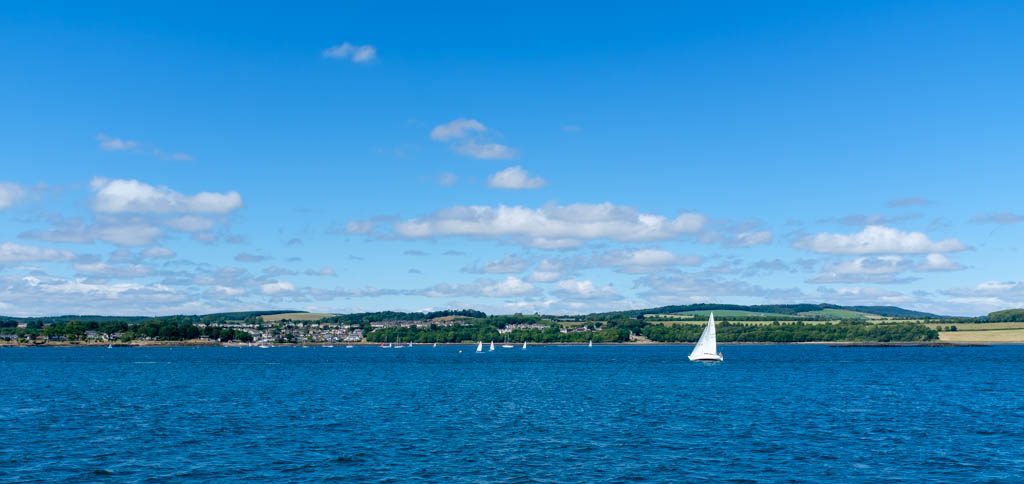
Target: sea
pixel 768 413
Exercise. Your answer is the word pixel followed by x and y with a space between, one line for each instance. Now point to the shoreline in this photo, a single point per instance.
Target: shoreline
pixel 834 344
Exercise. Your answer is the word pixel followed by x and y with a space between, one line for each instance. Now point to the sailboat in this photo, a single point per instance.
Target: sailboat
pixel 492 346
pixel 590 344
pixel 507 345
pixel 524 345
pixel 480 347
pixel 706 348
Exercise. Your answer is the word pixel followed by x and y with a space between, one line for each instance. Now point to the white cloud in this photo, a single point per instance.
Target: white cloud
pixel 510 264
pixel 456 129
pixel 228 291
pixel 642 260
pixel 552 226
pixel 108 143
pixel 9 194
pixel 26 253
pixel 878 270
pixel 323 271
pixel 508 287
pixel 133 196
pixel 515 178
pixel 190 223
pixel 277 288
pixel 938 263
pixel 128 234
pixel 877 239
pixel 863 295
pixel 356 53
pixel 247 257
pixel 486 151
pixel 104 269
pixel 158 253
pixel 750 239
pixel 583 289
pixel 467 137
pixel 359 227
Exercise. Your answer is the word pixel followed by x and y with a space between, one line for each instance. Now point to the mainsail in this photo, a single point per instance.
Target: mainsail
pixel 707 345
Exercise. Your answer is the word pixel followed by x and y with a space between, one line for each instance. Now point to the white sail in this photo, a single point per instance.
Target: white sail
pixel 590 344
pixel 492 346
pixel 480 347
pixel 706 348
pixel 524 345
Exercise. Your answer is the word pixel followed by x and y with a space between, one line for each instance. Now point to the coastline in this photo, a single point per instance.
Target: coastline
pixel 212 344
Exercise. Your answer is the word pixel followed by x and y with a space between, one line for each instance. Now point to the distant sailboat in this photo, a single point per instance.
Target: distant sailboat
pixel 524 345
pixel 590 344
pixel 435 345
pixel 706 348
pixel 492 346
pixel 480 347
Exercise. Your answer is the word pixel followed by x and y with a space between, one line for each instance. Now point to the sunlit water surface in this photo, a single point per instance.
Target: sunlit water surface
pixel 615 413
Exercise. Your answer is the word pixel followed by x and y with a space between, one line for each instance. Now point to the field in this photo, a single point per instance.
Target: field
pixel 722 313
pixel 968 327
pixel 984 336
pixel 273 318
pixel 841 314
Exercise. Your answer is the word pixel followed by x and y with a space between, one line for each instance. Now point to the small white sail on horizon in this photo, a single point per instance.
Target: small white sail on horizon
pixel 480 347
pixel 590 344
pixel 706 348
pixel 492 346
pixel 524 345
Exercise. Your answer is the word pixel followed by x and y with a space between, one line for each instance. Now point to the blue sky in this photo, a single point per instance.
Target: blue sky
pixel 181 158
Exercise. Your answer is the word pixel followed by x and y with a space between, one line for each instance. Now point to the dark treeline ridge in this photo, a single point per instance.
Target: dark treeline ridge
pixel 796 332
pixel 1006 316
pixel 163 328
pixel 618 330
pixel 782 309
pixel 376 317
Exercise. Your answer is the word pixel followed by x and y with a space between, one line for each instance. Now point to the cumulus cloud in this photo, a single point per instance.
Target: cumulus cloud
pixel 752 238
pixel 468 137
pixel 247 257
pixel 323 272
pixel 877 239
pixel 277 288
pixel 675 287
pixel 863 295
pixel 158 253
pixel 879 270
pixel 641 260
pixel 552 226
pixel 515 178
pixel 10 252
pixel 133 196
pixel 456 129
pixel 510 264
pixel 486 151
pixel 508 287
pixel 938 263
pixel 9 194
pixel 109 143
pixel 358 54
pixel 583 289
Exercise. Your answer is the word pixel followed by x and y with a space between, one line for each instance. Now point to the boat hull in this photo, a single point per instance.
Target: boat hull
pixel 717 357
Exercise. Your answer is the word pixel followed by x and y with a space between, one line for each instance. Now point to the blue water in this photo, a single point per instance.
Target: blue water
pixel 805 413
